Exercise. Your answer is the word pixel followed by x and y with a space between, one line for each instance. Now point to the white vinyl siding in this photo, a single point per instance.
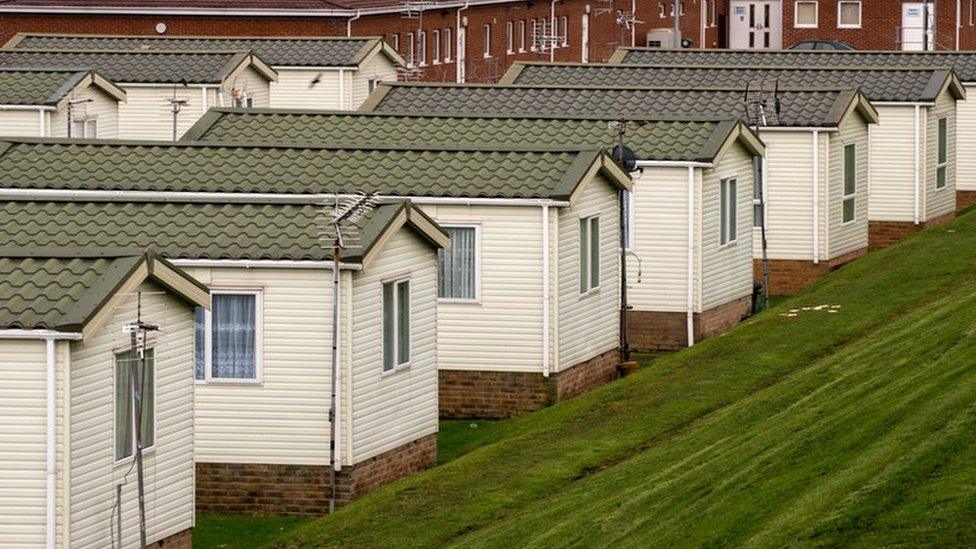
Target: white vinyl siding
pixel 725 270
pixel 168 467
pixel 892 164
pixel 847 236
pixel 147 114
pixel 23 401
pixel 398 407
pixel 21 123
pixel 966 142
pixel 295 90
pixel 588 324
pixel 101 107
pixel 246 82
pixel 940 200
pixel 789 200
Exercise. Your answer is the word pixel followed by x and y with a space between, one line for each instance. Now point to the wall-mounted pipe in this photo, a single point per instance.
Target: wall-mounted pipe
pixel 815 183
pixel 349 22
pixel 916 164
pixel 690 260
pixel 545 291
pixel 51 473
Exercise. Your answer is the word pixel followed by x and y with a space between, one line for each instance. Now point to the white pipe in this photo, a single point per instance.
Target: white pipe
pixel 460 49
pixel 38 334
pixel 690 265
pixel 765 193
pixel 633 27
pixel 41 125
pixel 958 21
pixel 338 379
pixel 552 29
pixel 816 197
pixel 349 22
pixel 917 168
pixel 203 98
pixel 50 463
pixel 545 291
pixel 703 12
pixel 342 89
pixel 262 263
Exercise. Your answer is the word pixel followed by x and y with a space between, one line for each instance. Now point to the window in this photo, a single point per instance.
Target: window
pixel 396 324
pixel 682 8
pixel 522 35
pixel 728 230
pixel 395 41
pixel 86 127
pixel 488 40
pixel 457 269
pixel 436 42
pixel 243 101
pixel 850 182
pixel 371 85
pixel 589 254
pixel 848 15
pixel 711 14
pixel 972 19
pixel 805 15
pixel 510 36
pixel 128 364
pixel 422 48
pixel 940 171
pixel 228 337
pixel 448 45
pixel 661 12
pixel 410 44
pixel 757 197
pixel 564 30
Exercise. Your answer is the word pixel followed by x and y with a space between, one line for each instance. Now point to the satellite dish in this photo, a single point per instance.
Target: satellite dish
pixel 627 160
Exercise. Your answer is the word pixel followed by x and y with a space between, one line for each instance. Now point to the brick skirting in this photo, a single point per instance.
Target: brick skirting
pixel 886 233
pixel 179 540
pixel 964 199
pixel 789 276
pixel 275 489
pixel 667 331
pixel 471 394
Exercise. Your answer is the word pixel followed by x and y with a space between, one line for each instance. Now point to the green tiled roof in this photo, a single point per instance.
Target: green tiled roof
pixel 470 172
pixel 325 51
pixel 37 87
pixel 963 62
pixel 208 229
pixel 799 107
pixel 879 84
pixel 694 140
pixel 139 67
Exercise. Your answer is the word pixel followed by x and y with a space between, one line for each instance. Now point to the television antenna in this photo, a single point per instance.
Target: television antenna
pixel 763 107
pixel 345 212
pixel 176 105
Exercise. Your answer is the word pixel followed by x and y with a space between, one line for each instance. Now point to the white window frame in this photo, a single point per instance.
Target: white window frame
pixel 80 127
pixel 477 262
pixel 448 45
pixel 816 14
pixel 243 101
pixel 661 10
pixel 510 37
pixel 682 8
pixel 843 190
pixel 115 368
pixel 436 42
pixel 564 23
pixel 860 14
pixel 487 37
pixel 521 48
pixel 395 281
pixel 372 84
pixel 395 41
pixel 941 166
pixel 258 340
pixel 422 48
pixel 410 50
pixel 713 17
pixel 757 190
pixel 724 218
pixel 591 288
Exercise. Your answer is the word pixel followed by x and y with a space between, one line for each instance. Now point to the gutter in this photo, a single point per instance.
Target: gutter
pixel 545 291
pixel 349 22
pixel 673 164
pixel 39 334
pixel 262 263
pixel 816 197
pixel 26 108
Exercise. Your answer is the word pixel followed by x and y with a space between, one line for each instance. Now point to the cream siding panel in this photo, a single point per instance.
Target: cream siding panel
pixel 726 271
pixel 147 113
pixel 293 89
pixel 789 200
pixel 940 201
pixel 845 238
pixel 103 107
pixel 892 166
pixel 393 409
pixel 589 324
pixel 168 466
pixel 502 332
pixel 284 418
pixel 660 240
pixel 21 123
pixel 22 453
pixel 250 82
pixel 966 141
pixel 379 67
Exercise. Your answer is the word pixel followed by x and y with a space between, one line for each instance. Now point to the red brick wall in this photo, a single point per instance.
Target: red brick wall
pixel 880 20
pixel 886 233
pixel 258 489
pixel 649 15
pixel 498 395
pixel 787 276
pixel 666 331
pixel 965 199
pixel 179 540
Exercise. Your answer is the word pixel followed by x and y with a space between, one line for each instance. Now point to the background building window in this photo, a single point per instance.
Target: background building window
pixel 589 254
pixel 436 42
pixel 850 182
pixel 848 14
pixel 127 363
pixel 396 324
pixel 728 216
pixel 510 37
pixel 564 30
pixel 488 40
pixel 448 45
pixel 410 46
pixel 228 336
pixel 522 35
pixel 422 48
pixel 805 14
pixel 457 269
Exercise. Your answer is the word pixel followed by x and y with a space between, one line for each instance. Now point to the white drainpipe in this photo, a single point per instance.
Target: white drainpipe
pixel 690 281
pixel 958 21
pixel 51 465
pixel 41 126
pixel 633 28
pixel 816 196
pixel 917 168
pixel 338 379
pixel 552 29
pixel 545 291
pixel 460 49
pixel 349 22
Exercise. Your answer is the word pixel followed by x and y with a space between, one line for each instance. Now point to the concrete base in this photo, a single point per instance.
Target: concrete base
pixel 179 540
pixel 964 199
pixel 789 276
pixel 668 331
pixel 274 489
pixel 479 394
pixel 886 233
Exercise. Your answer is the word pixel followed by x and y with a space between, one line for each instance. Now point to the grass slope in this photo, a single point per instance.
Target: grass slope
pixel 854 427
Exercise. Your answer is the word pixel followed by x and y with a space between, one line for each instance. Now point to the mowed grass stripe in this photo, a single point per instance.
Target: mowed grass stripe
pixel 824 432
pixel 547 452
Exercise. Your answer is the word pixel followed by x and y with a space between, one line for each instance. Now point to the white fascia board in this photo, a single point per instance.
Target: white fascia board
pixel 38 334
pixel 673 164
pixel 797 129
pixel 263 263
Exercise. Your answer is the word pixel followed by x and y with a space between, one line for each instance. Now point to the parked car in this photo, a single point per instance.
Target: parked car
pixel 817 44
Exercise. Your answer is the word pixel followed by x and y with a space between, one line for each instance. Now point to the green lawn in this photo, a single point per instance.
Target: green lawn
pixel 240 532
pixel 851 427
